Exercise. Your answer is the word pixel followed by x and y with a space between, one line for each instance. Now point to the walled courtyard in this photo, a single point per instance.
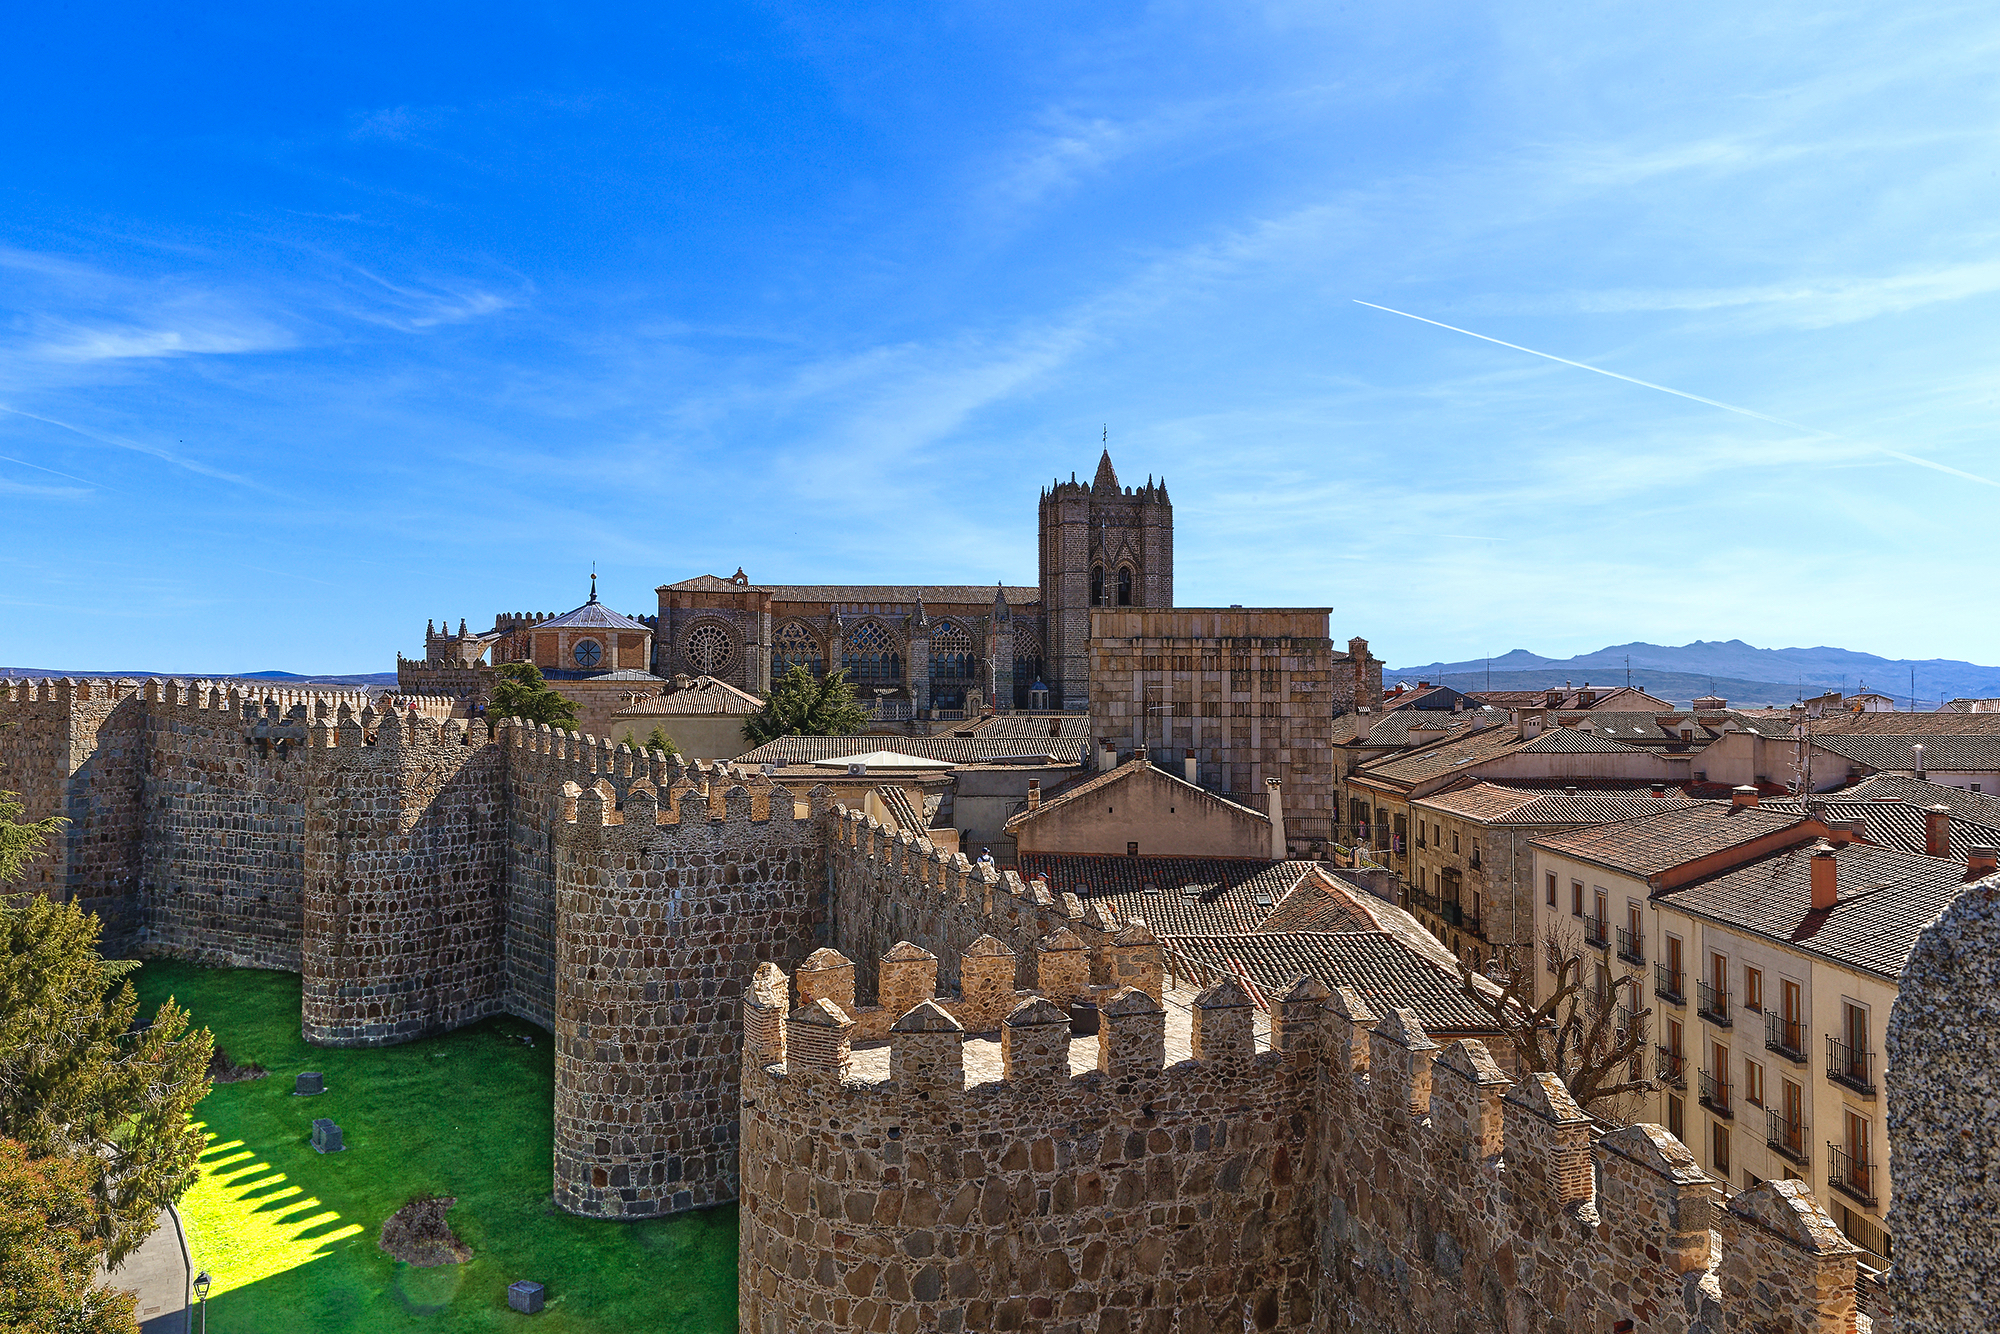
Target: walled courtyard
pixel 290 1235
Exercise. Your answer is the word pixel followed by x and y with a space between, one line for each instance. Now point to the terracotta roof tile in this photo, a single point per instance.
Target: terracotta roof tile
pixel 1387 972
pixel 1648 844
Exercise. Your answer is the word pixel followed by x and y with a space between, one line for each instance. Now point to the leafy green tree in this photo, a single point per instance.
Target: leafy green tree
pixel 522 693
pixel 21 840
pixel 49 1251
pixel 799 705
pixel 659 741
pixel 78 1080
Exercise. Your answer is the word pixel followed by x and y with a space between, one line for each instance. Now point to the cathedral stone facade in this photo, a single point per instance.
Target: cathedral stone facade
pixel 911 649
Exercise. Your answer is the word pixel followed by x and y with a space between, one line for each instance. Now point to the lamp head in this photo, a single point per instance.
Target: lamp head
pixel 201 1285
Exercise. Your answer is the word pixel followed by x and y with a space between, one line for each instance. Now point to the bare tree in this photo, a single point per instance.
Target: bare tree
pixel 1579 1033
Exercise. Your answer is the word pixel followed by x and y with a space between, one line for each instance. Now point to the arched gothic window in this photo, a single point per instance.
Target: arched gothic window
pixel 797 648
pixel 869 655
pixel 1124 585
pixel 1097 585
pixel 951 653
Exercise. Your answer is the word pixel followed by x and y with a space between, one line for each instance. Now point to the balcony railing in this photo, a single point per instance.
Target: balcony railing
pixel 1631 944
pixel 1786 1136
pixel 1851 1176
pixel 1669 984
pixel 1715 1094
pixel 1593 931
pixel 1671 1066
pixel 1428 902
pixel 1787 1037
pixel 1714 1003
pixel 1845 1065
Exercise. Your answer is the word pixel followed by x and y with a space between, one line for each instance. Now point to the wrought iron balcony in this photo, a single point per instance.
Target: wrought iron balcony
pixel 1851 1176
pixel 1671 1066
pixel 1787 1037
pixel 1786 1136
pixel 1593 931
pixel 1715 1095
pixel 1631 944
pixel 1713 1003
pixel 1669 984
pixel 1845 1065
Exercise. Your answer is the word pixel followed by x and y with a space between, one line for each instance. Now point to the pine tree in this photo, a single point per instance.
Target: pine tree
pixel 799 705
pixel 48 1253
pixel 520 692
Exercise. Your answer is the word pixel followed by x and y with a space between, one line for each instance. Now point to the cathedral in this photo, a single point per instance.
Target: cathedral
pixel 910 649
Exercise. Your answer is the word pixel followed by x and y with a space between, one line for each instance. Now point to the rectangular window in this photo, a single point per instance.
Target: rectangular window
pixel 1676 1118
pixel 1576 898
pixel 1753 989
pixel 1718 973
pixel 1454 842
pixel 1791 1001
pixel 1675 1036
pixel 1753 1082
pixel 1552 889
pixel 1131 849
pixel 1719 1149
pixel 1856 1024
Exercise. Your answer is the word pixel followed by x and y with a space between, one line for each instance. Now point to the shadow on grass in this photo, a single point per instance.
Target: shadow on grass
pixel 290 1234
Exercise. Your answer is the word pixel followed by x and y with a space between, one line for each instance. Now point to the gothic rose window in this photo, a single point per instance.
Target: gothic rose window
pixel 797 648
pixel 951 653
pixel 869 654
pixel 709 649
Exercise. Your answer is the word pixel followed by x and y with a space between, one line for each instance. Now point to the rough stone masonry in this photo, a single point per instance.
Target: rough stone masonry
pixel 422 874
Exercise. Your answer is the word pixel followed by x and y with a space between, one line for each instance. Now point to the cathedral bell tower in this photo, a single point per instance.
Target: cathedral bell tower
pixel 1102 545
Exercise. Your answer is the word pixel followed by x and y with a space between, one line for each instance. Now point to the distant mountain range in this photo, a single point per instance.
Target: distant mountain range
pixel 367 679
pixel 1739 672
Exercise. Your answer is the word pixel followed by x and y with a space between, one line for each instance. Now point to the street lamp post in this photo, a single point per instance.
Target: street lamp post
pixel 201 1285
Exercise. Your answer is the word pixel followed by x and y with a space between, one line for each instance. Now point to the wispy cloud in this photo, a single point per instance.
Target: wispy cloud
pixel 139 447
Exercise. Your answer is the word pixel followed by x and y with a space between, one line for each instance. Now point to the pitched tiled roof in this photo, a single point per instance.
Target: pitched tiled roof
pixel 1394 730
pixel 1649 844
pixel 1444 757
pixel 1918 792
pixel 1960 753
pixel 959 594
pixel 1887 898
pixel 593 615
pixel 705 695
pixel 1127 771
pixel 956 750
pixel 1908 724
pixel 1028 727
pixel 1574 741
pixel 1896 824
pixel 897 803
pixel 1494 804
pixel 1386 971
pixel 1205 895
pixel 1316 903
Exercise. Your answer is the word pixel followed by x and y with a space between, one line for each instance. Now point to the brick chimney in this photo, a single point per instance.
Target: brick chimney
pixel 1034 793
pixel 1981 861
pixel 1825 876
pixel 1937 831
pixel 1740 797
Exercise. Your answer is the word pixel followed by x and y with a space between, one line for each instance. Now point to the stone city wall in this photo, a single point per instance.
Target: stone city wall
pixel 1454 1199
pixel 1136 1196
pixel 889 886
pixel 663 911
pixel 404 881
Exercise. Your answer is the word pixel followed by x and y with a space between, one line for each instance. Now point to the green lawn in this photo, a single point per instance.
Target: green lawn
pixel 289 1234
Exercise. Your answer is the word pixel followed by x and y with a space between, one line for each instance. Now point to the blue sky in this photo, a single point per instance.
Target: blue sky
pixel 314 327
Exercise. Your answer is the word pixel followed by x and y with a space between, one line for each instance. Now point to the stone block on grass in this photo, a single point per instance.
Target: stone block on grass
pixel 524 1297
pixel 311 1084
pixel 326 1136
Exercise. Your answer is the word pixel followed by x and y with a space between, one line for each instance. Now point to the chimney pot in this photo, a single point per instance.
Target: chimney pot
pixel 1825 876
pixel 1981 861
pixel 1659 789
pixel 1744 795
pixel 1034 793
pixel 1937 831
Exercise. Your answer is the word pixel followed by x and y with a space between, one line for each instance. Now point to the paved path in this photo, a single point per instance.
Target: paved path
pixel 158 1273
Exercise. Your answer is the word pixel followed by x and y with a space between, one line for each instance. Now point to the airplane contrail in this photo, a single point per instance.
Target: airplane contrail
pixel 1682 393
